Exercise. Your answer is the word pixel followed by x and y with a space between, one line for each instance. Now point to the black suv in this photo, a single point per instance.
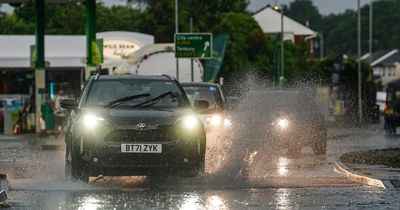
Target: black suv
pixel 130 125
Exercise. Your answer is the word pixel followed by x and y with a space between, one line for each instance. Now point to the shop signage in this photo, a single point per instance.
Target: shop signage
pixel 118 49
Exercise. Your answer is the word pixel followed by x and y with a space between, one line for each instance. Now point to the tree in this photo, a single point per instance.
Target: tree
pixel 69 18
pixel 246 47
pixel 11 24
pixel 305 12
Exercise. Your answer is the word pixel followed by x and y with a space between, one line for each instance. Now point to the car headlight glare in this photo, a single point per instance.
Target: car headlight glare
pixel 215 120
pixel 227 123
pixel 91 121
pixel 190 122
pixel 283 123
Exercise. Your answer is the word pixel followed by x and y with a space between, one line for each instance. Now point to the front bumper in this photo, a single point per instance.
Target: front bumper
pixel 101 154
pixel 304 136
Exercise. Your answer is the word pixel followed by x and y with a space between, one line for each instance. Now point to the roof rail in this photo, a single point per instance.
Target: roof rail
pixel 168 76
pixel 97 76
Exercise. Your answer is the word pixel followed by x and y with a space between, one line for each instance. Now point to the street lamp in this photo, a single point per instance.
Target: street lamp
pixel 282 77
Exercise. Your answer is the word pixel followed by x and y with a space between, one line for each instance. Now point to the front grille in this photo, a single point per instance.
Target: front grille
pixel 162 134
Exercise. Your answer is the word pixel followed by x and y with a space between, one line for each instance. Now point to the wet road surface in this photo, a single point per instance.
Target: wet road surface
pixel 273 180
pixel 245 169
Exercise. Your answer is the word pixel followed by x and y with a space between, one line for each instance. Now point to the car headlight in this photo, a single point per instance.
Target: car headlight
pixel 190 122
pixel 227 123
pixel 215 120
pixel 91 121
pixel 282 123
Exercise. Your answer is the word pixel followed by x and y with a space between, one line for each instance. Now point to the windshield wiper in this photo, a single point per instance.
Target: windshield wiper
pixel 119 101
pixel 153 100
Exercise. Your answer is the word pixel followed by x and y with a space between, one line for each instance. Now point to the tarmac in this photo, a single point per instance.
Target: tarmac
pixel 377 175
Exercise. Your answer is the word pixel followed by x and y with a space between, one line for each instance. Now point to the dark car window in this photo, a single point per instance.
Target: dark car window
pixel 103 91
pixel 202 93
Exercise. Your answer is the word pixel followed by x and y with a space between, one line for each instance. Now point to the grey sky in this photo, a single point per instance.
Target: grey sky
pixel 325 6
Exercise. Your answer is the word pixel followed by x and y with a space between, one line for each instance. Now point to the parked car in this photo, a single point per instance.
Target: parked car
pixel 133 125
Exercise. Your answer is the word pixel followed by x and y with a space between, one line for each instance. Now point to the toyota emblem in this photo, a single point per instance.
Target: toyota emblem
pixel 141 126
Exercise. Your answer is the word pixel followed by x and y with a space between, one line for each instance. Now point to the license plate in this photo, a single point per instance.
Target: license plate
pixel 141 148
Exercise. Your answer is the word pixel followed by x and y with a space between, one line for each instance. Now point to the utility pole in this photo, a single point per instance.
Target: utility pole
pixel 191 60
pixel 177 31
pixel 282 48
pixel 370 30
pixel 360 117
pixel 321 47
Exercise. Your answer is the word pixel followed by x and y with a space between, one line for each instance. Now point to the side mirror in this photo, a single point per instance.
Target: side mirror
pixel 69 103
pixel 201 104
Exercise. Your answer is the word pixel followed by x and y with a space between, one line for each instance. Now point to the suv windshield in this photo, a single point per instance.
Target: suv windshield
pixel 202 93
pixel 102 92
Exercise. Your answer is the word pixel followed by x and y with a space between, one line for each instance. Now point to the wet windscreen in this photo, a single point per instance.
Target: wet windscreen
pixel 103 92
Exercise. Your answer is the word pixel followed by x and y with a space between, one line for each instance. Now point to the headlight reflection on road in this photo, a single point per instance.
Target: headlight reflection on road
pixel 90 203
pixel 282 166
pixel 283 199
pixel 215 202
pixel 190 203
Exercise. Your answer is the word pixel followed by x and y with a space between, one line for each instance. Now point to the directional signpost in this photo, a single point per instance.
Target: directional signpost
pixel 193 45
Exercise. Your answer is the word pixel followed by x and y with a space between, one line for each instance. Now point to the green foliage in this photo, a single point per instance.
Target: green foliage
pixel 117 18
pixel 386 20
pixel 69 18
pixel 304 11
pixel 11 24
pixel 246 45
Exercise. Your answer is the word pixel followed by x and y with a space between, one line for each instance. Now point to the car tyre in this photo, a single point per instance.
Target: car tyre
pixel 74 164
pixel 294 150
pixel 202 162
pixel 391 131
pixel 193 172
pixel 319 146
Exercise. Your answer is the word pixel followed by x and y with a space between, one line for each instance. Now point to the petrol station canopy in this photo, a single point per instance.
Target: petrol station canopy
pixel 69 50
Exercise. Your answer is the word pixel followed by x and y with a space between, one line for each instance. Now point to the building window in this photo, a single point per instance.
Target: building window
pixel 383 72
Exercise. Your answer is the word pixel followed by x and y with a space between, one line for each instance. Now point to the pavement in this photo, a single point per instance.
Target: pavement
pixel 376 171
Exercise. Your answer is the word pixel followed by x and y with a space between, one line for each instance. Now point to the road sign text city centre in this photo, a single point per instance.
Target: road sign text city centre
pixel 193 45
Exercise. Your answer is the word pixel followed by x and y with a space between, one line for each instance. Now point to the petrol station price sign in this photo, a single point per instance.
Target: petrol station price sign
pixel 193 45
